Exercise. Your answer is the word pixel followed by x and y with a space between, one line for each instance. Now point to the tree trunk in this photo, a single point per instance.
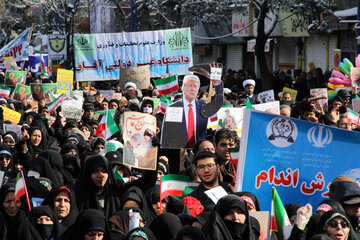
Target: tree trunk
pixel 261 38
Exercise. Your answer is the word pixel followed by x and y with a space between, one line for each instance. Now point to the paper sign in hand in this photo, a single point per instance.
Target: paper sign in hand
pixel 216 193
pixel 215 73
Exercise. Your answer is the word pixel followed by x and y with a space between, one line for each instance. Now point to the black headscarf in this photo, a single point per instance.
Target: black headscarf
pixel 218 228
pixel 191 232
pixel 50 201
pixel 88 220
pixel 134 193
pixel 144 232
pixel 35 150
pixel 87 194
pixel 166 226
pixel 253 198
pixel 56 162
pixel 291 209
pixel 18 227
pixel 119 223
pixel 45 230
pixel 69 158
pixel 3 229
pixel 326 217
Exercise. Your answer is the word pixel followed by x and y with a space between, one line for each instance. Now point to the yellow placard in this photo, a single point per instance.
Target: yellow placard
pixel 11 115
pixel 64 80
pixel 292 92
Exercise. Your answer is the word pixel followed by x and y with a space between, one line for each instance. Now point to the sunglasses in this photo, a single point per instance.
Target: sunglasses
pixel 334 224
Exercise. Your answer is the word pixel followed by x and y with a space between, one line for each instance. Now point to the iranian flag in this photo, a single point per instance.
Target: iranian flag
pixel 44 71
pixel 20 188
pixel 279 219
pixel 163 104
pixel 175 185
pixel 352 117
pixel 5 91
pixel 54 104
pixel 167 85
pixel 107 126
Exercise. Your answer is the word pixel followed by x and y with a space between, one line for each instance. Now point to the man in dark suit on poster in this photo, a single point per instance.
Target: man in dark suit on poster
pixel 185 121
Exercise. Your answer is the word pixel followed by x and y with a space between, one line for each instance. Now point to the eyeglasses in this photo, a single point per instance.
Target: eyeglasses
pixel 334 224
pixel 208 166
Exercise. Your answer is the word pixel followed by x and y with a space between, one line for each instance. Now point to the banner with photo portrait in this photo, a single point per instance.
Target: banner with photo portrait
pixel 299 158
pixel 22 92
pixel 138 134
pixel 72 105
pixel 43 91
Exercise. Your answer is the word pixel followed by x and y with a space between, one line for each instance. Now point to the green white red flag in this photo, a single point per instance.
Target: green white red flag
pixel 167 85
pixel 352 117
pixel 175 185
pixel 5 91
pixel 279 219
pixel 54 104
pixel 163 104
pixel 20 188
pixel 44 69
pixel 107 126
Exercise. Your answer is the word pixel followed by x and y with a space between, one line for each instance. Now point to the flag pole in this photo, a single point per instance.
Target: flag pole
pixel 26 192
pixel 32 27
pixel 160 194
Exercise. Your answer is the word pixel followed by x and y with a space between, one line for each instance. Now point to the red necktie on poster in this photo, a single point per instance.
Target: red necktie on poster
pixel 191 129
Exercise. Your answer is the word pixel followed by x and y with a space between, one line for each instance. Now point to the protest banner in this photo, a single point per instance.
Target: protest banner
pixel 138 75
pixel 266 96
pixel 17 48
pixel 270 107
pixel 72 104
pixel 10 64
pixel 230 118
pixel 355 77
pixel 64 80
pixel 15 77
pixel 22 92
pixel 43 91
pixel 292 92
pixel 13 128
pixel 117 96
pixel 34 62
pixel 140 128
pixel 320 92
pixel 99 57
pixel 108 94
pixel 356 104
pixel 299 158
pixel 57 47
pixel 11 115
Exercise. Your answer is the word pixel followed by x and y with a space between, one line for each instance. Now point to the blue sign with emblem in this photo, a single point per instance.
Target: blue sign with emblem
pixel 299 158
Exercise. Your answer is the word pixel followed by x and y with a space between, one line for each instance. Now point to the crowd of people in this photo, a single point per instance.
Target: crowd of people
pixel 74 192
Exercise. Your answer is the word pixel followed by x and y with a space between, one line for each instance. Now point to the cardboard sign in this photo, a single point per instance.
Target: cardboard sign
pixel 43 91
pixel 230 118
pixel 22 92
pixel 10 64
pixel 292 92
pixel 72 105
pixel 270 107
pixel 117 96
pixel 15 77
pixel 215 73
pixel 138 149
pixel 356 105
pixel 64 80
pixel 13 128
pixel 320 92
pixel 265 97
pixel 355 77
pixel 138 75
pixel 108 94
pixel 11 115
pixel 263 218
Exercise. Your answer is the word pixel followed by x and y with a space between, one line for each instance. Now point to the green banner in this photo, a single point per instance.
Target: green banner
pixel 43 91
pixel 14 77
pixel 22 92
